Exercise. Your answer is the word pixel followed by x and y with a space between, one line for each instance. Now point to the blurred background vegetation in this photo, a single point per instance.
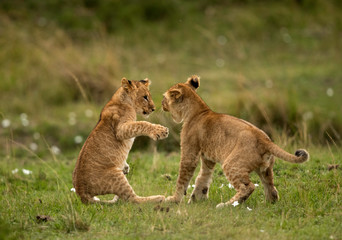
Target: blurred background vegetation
pixel 276 64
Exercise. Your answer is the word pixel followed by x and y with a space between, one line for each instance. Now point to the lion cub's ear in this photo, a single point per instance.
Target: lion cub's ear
pixel 146 82
pixel 176 94
pixel 126 84
pixel 193 82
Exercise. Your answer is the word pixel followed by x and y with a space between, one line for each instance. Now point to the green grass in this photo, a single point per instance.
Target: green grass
pixel 270 63
pixel 309 207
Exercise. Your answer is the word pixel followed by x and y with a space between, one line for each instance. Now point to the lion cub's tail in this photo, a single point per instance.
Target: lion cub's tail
pixel 300 156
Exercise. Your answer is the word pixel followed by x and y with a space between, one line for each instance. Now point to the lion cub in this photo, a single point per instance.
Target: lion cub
pixel 237 145
pixel 101 164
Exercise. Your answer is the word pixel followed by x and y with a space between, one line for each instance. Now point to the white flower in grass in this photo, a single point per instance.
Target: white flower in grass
pixel 73 190
pixel 307 116
pixel 89 113
pixel 24 121
pixel 262 230
pixel 249 209
pixel 78 139
pixel 23 116
pixel 14 171
pixel 257 185
pixel 26 172
pixel 33 146
pixel 72 121
pixel 36 135
pixel 330 92
pixel 72 118
pixel 96 198
pixel 230 186
pixel 222 40
pixel 235 203
pixel 221 186
pixel 5 123
pixel 55 150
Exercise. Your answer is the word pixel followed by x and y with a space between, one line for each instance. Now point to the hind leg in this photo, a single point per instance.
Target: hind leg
pixel 118 184
pixel 266 176
pixel 203 181
pixel 114 200
pixel 238 176
pixel 86 199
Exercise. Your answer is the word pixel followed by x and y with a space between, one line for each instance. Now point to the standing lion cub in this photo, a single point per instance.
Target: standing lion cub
pixel 237 145
pixel 101 164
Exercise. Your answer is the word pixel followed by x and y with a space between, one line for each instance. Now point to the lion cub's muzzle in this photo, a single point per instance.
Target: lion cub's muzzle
pixel 148 111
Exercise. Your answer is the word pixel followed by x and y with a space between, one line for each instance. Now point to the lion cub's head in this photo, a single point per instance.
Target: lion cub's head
pixel 177 100
pixel 137 93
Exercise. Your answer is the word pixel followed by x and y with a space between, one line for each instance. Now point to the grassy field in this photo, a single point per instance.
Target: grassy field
pixel 309 207
pixel 275 64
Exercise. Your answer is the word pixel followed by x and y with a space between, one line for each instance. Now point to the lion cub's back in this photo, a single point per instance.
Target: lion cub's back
pixel 219 134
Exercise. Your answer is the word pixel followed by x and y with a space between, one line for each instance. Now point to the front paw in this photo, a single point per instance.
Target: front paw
pixel 160 132
pixel 220 205
pixel 172 199
pixel 160 198
pixel 199 193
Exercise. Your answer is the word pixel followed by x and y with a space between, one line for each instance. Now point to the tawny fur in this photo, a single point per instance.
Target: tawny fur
pixel 101 164
pixel 237 145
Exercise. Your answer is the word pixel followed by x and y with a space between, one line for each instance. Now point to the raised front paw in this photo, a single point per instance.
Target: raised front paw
pixel 159 132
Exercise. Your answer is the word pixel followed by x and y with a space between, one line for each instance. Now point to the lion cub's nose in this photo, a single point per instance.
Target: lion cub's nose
pixel 153 109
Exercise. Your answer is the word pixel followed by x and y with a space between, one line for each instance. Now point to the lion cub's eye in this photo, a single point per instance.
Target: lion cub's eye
pixel 146 98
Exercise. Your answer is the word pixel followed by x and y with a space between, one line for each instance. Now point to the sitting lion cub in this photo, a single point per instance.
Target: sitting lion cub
pixel 101 164
pixel 237 145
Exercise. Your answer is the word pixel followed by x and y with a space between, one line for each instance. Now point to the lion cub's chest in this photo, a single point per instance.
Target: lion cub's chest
pixel 126 147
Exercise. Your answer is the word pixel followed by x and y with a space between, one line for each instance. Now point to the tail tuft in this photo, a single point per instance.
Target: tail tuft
pixel 302 154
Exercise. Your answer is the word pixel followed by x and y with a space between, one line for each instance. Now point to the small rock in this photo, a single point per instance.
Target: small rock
pixel 43 218
pixel 167 177
pixel 156 208
pixel 333 166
